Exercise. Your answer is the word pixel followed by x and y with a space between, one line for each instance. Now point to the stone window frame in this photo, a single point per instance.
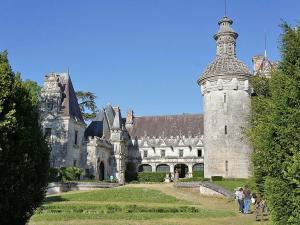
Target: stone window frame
pixel 226 165
pixel 76 137
pixel 162 153
pixel 201 153
pixel 180 153
pixel 145 153
pixel 48 134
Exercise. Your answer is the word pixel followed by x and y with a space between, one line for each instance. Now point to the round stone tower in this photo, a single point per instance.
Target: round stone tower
pixel 225 87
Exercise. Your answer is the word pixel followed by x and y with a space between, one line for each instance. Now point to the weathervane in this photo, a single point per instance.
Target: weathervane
pixel 225 6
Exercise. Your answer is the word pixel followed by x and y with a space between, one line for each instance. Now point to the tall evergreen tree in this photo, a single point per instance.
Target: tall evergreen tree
pixel 275 133
pixel 24 154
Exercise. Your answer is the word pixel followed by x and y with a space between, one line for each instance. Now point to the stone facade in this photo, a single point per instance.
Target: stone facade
pixel 176 144
pixel 62 121
pixel 226 90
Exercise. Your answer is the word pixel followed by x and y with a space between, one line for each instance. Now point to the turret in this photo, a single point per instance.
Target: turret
pixel 225 87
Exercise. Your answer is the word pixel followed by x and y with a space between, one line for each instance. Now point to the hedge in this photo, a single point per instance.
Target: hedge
pixel 151 177
pixel 198 173
pixel 64 174
pixel 216 178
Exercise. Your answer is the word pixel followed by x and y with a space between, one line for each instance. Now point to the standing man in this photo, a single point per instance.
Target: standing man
pixel 247 199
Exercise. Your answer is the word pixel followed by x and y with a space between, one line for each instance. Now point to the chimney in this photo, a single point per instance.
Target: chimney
pixel 129 118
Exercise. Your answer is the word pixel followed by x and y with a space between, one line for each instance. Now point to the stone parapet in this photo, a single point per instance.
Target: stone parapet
pixel 227 83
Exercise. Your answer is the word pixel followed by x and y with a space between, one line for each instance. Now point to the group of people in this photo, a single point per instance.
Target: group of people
pixel 245 198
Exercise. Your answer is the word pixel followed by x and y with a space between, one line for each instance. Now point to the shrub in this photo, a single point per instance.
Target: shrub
pixel 151 177
pixel 192 179
pixel 54 175
pixel 130 173
pixel 198 173
pixel 70 173
pixel 216 178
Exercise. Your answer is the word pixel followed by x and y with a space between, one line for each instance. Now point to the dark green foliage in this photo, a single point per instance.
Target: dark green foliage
pixel 279 198
pixel 87 104
pixel 130 173
pixel 216 178
pixel 34 89
pixel 24 154
pixel 151 177
pixel 54 175
pixel 275 133
pixel 70 173
pixel 198 173
pixel 193 179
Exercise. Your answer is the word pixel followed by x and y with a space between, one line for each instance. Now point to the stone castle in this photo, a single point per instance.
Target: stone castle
pixel 213 142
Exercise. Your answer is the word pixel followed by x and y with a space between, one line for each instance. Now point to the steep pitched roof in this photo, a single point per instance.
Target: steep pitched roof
pixel 166 126
pixel 70 104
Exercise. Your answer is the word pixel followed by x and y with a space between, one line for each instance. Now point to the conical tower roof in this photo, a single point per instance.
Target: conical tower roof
pixel 225 63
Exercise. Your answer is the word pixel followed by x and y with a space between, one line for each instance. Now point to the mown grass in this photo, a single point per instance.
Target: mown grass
pixel 123 203
pixel 123 194
pixel 231 184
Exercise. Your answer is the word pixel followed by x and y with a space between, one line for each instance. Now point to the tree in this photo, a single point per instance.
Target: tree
pixel 87 104
pixel 33 88
pixel 275 133
pixel 24 153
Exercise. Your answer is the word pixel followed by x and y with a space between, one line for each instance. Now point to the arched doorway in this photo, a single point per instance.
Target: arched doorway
pixel 182 170
pixel 163 168
pixel 101 171
pixel 145 168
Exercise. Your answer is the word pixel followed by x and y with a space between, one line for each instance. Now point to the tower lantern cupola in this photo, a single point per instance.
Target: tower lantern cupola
pixel 226 38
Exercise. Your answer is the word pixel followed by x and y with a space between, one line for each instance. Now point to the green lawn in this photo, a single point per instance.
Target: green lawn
pixel 231 184
pixel 123 203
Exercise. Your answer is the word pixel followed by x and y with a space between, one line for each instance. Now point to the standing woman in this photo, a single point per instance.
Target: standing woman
pixel 240 198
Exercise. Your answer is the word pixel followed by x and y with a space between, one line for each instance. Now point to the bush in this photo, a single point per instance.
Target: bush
pixel 70 173
pixel 279 195
pixel 192 179
pixel 198 173
pixel 130 173
pixel 54 175
pixel 151 177
pixel 216 178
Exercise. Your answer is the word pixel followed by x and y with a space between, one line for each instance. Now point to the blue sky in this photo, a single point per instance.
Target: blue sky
pixel 138 54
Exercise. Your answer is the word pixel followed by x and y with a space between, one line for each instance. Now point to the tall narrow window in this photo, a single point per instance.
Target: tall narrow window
pixel 74 162
pixel 76 137
pixel 224 97
pixel 145 153
pixel 225 129
pixel 199 152
pixel 226 166
pixel 48 134
pixel 162 153
pixel 180 153
pixel 50 104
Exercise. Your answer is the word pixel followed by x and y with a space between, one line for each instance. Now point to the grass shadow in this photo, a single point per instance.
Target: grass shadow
pixel 56 198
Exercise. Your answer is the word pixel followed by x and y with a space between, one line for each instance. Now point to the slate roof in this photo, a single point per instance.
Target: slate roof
pixel 101 124
pixel 70 106
pixel 167 126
